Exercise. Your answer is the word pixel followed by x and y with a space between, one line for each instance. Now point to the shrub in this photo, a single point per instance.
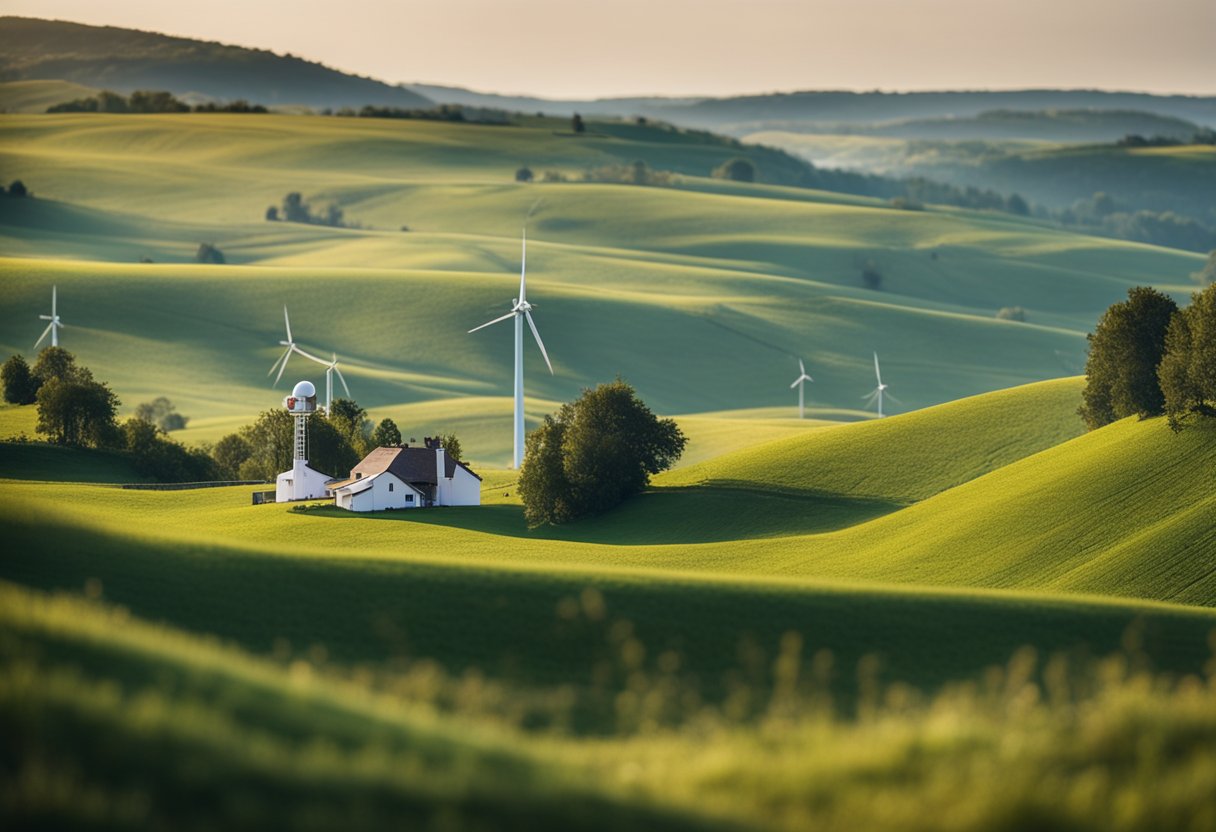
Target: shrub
pixel 523 174
pixel 1124 352
pixel 17 190
pixel 272 214
pixel 597 451
pixel 576 124
pixel 1011 313
pixel 736 170
pixel 20 384
pixel 871 275
pixel 208 253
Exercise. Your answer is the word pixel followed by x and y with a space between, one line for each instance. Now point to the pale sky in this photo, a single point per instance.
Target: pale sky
pixel 580 48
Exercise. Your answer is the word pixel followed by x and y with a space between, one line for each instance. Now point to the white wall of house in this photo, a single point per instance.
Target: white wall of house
pixel 300 483
pixel 460 489
pixel 377 493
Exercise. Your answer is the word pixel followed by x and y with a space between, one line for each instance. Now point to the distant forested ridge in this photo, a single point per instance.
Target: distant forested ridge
pixel 125 60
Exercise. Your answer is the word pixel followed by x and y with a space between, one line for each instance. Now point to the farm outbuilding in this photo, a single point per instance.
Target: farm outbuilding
pixel 407 478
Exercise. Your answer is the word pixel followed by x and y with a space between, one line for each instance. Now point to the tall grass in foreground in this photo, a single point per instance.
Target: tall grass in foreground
pixel 110 722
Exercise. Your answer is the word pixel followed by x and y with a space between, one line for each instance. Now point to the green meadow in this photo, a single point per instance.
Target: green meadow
pixel 971 610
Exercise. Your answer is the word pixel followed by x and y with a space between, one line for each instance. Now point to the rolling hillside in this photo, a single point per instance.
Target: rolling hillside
pixel 744 277
pixel 124 60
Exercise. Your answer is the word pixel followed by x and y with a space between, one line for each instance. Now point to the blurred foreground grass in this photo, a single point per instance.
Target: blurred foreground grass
pixel 112 722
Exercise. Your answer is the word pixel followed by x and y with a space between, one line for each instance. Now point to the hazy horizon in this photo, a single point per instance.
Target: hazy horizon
pixel 627 48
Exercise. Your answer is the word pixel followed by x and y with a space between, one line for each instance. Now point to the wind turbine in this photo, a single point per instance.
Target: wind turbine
pixel 331 366
pixel 878 392
pixel 800 382
pixel 55 324
pixel 521 310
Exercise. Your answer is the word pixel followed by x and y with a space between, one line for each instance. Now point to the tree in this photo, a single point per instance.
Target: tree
pixel 597 451
pixel 18 189
pixel 272 214
pixel 576 124
pixel 294 209
pixel 1016 205
pixel 871 275
pixel 523 174
pixel 161 413
pixel 736 170
pixel 1187 373
pixel 55 363
pixel 208 253
pixel 386 434
pixel 77 411
pixel 270 439
pixel 1124 352
pixel 20 384
pixel 351 422
pixel 329 450
pixel 162 459
pixel 451 445
pixel 230 454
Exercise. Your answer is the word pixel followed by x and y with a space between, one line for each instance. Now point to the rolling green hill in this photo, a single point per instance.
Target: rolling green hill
pixel 36 96
pixel 124 60
pixel 744 277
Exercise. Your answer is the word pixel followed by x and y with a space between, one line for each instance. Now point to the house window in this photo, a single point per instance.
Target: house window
pixel 390 486
pixel 409 498
pixel 358 476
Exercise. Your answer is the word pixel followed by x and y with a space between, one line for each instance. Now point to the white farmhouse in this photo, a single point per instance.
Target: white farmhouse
pixel 407 478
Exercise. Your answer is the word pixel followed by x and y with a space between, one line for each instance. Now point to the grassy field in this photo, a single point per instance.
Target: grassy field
pixel 743 278
pixel 459 669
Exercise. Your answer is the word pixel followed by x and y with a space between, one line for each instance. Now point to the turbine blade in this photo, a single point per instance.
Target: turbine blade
pixel 45 333
pixel 287 321
pixel 877 372
pixel 308 355
pixel 282 366
pixel 47 317
pixel 54 300
pixel 797 381
pixel 888 397
pixel 341 378
pixel 801 368
pixel 510 314
pixel 539 342
pixel 523 268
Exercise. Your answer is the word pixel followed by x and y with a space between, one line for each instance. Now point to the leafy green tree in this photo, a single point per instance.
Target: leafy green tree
pixel 386 434
pixel 597 451
pixel 78 411
pixel 1187 373
pixel 270 441
pixel 576 124
pixel 208 253
pixel 20 384
pixel 523 174
pixel 18 189
pixel 162 459
pixel 736 170
pixel 295 209
pixel 230 454
pixel 1124 353
pixel 56 363
pixel 451 445
pixel 162 413
pixel 329 450
pixel 351 422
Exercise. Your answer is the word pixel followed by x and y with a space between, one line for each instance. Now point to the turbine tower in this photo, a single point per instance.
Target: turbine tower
pixel 330 366
pixel 878 392
pixel 55 324
pixel 800 382
pixel 521 310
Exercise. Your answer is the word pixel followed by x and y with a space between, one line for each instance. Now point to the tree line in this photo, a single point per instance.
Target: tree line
pixel 149 101
pixel 1148 357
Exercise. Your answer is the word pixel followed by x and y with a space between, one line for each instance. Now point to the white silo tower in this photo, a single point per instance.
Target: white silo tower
pixel 301 482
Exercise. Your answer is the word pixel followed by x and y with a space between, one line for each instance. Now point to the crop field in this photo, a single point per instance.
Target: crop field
pixel 841 622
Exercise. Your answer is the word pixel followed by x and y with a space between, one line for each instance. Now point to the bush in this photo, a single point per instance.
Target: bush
pixel 523 174
pixel 576 124
pixel 597 451
pixel 20 384
pixel 161 413
pixel 207 253
pixel 272 214
pixel 1187 373
pixel 162 459
pixel 1011 313
pixel 871 275
pixel 17 190
pixel 1124 352
pixel 736 170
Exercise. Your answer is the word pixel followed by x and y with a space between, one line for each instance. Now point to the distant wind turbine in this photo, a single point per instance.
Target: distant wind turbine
pixel 878 392
pixel 55 324
pixel 521 310
pixel 800 383
pixel 330 366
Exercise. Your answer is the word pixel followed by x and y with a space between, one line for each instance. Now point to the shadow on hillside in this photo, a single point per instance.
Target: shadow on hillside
pixel 696 514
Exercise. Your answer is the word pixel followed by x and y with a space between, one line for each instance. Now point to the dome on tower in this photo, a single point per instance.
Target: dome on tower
pixel 303 390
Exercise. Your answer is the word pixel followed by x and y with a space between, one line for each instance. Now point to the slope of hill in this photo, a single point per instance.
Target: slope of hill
pixel 124 60
pixel 36 96
pixel 1088 126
